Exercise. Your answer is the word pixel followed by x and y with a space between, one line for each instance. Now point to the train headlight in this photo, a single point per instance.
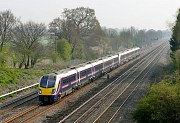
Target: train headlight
pixel 53 91
pixel 39 91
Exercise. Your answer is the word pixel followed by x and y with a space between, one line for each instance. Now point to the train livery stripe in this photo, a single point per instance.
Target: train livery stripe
pixel 82 77
pixel 108 66
pixel 73 82
pixel 65 86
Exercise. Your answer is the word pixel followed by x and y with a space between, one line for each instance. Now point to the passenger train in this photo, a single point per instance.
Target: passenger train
pixel 52 86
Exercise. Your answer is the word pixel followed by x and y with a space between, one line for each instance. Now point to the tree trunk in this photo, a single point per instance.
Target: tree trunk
pixel 20 65
pixel 1 46
pixel 27 63
pixel 14 64
pixel 73 49
pixel 33 62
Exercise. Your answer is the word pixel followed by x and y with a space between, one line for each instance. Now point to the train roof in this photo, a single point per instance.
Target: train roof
pixel 114 56
pixel 83 66
pixel 107 58
pixel 129 50
pixel 66 71
pixel 98 61
pixel 49 76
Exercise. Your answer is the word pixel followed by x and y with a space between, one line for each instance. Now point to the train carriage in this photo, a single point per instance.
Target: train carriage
pixel 97 68
pixel 128 55
pixel 115 61
pixel 85 73
pixel 68 80
pixel 107 64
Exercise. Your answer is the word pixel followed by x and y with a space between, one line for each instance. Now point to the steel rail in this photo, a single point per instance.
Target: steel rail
pixel 21 114
pixel 16 91
pixel 10 109
pixel 19 100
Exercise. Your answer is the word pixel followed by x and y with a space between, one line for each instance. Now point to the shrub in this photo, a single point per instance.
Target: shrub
pixel 9 75
pixel 161 105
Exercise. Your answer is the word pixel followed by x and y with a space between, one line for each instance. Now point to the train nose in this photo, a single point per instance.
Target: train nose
pixel 48 99
pixel 47 91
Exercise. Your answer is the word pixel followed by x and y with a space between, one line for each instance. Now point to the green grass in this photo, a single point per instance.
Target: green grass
pixel 13 76
pixel 9 75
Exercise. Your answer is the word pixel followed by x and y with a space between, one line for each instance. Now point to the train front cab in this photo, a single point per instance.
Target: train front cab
pixel 48 88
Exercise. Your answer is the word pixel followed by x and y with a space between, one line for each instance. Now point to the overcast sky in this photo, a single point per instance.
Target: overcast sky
pixel 142 14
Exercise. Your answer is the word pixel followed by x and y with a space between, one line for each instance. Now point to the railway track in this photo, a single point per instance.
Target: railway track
pixel 11 108
pixel 18 101
pixel 37 110
pixel 114 108
pixel 94 109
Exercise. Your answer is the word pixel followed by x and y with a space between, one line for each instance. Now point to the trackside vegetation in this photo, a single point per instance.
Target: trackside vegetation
pixel 9 75
pixel 162 103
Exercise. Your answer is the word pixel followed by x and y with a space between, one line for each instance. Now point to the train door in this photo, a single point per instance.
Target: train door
pixel 92 71
pixel 103 67
pixel 119 59
pixel 78 77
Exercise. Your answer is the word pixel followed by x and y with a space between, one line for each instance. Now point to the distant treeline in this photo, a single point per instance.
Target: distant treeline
pixel 76 34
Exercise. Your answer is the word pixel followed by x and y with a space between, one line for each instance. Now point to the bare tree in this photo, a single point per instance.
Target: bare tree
pixel 61 29
pixel 80 22
pixel 26 41
pixel 55 27
pixel 7 22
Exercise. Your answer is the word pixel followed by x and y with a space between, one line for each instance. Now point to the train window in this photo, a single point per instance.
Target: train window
pixel 73 78
pixel 98 67
pixel 116 59
pixel 88 71
pixel 43 82
pixel 51 83
pixel 65 80
pixel 69 79
pixel 47 83
pixel 83 73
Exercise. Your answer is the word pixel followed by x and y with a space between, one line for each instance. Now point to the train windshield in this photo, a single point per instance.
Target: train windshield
pixel 47 82
pixel 51 83
pixel 43 82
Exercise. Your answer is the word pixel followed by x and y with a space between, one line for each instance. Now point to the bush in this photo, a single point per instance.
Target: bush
pixel 161 105
pixel 9 75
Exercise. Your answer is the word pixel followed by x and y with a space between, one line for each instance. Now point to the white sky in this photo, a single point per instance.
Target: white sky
pixel 142 14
